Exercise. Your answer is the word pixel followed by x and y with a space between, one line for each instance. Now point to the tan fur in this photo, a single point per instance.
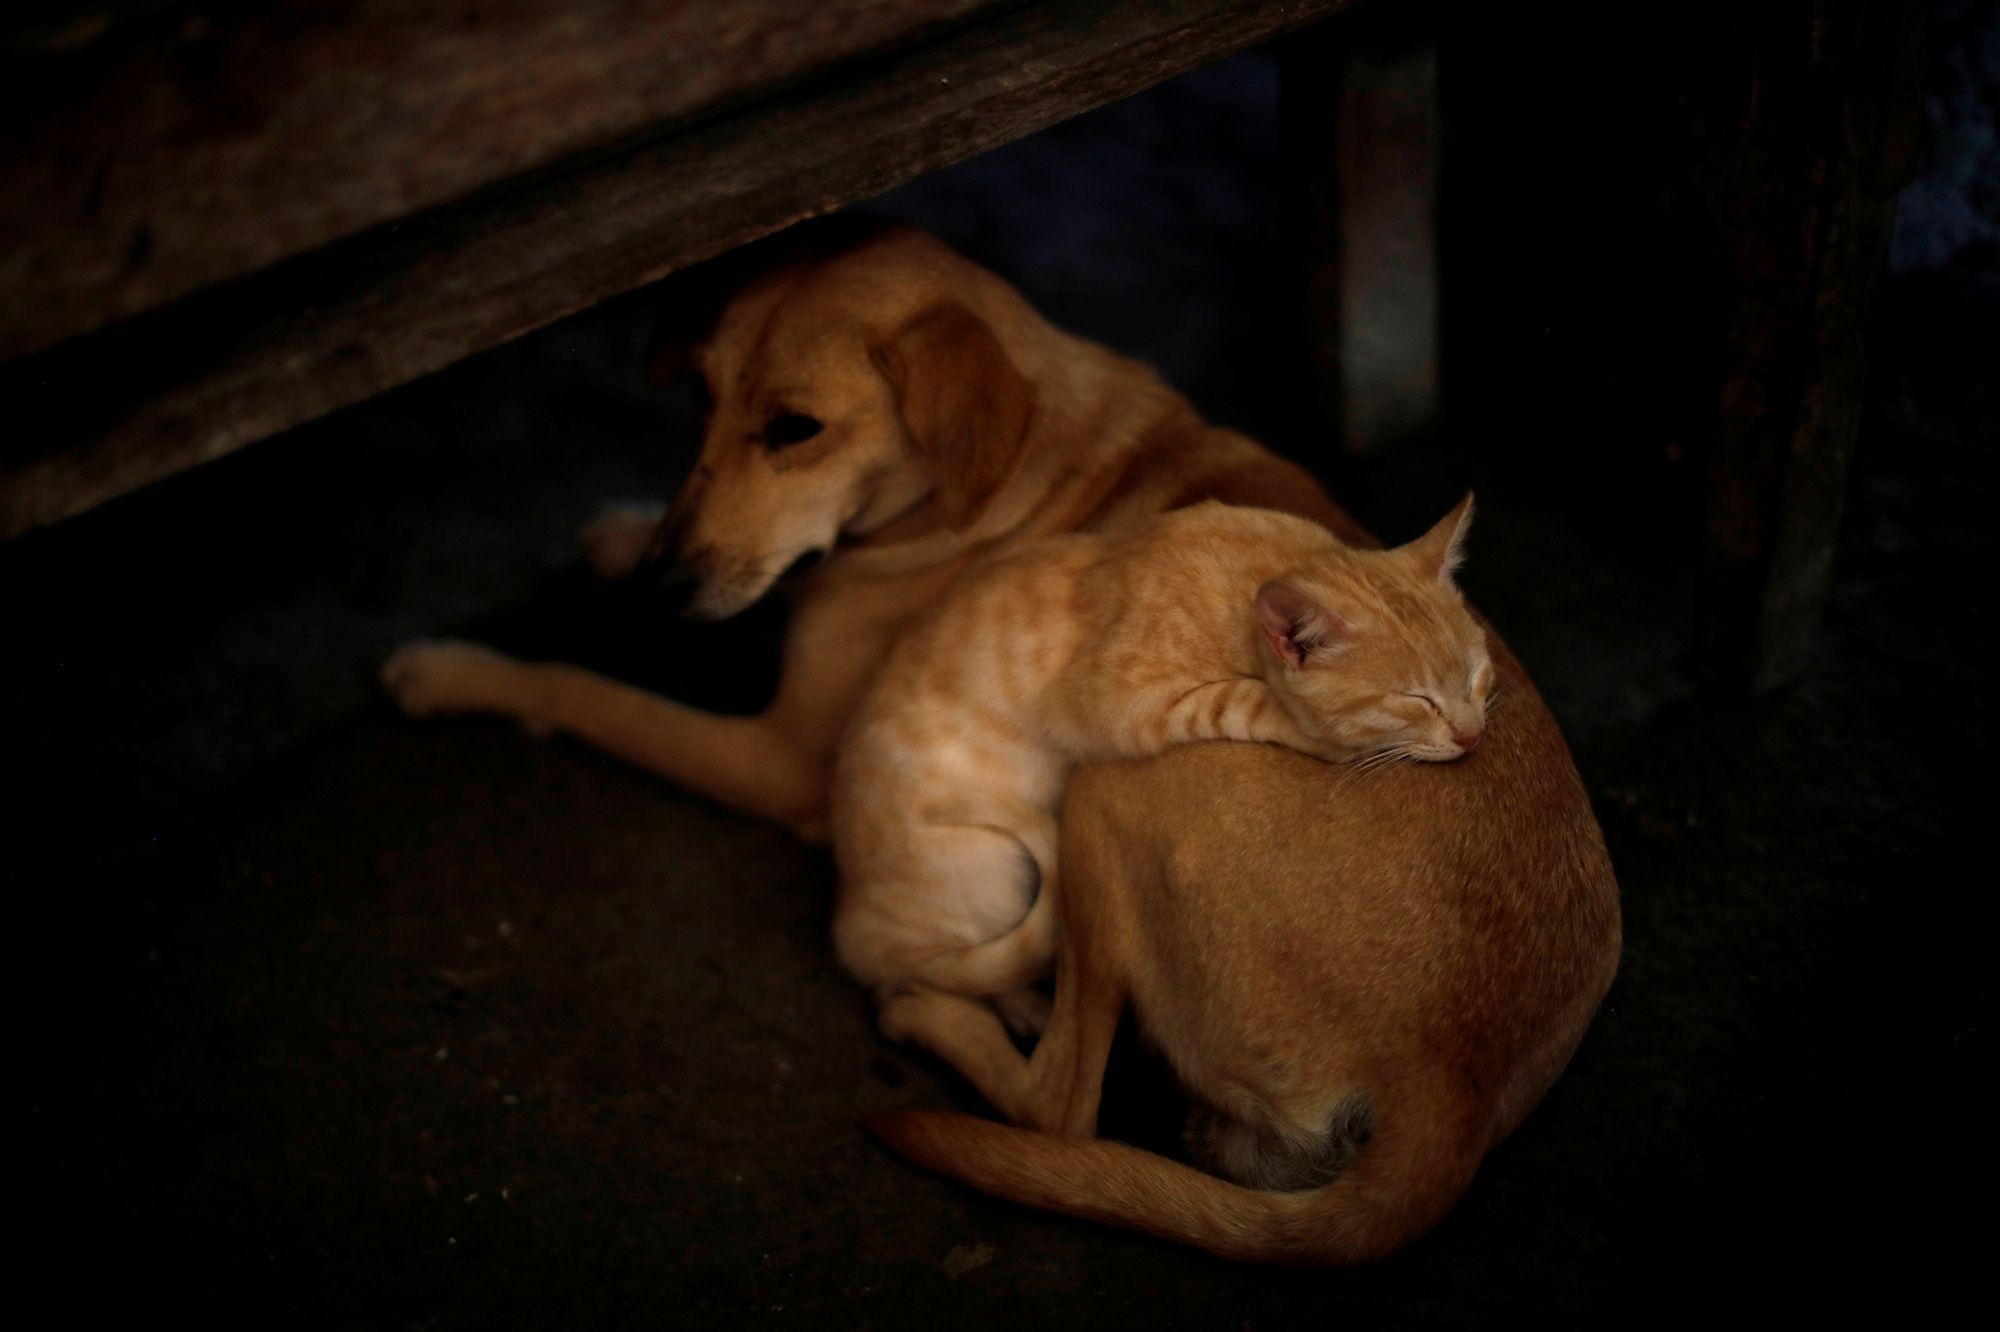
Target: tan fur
pixel 1419 948
pixel 1209 623
pixel 1425 941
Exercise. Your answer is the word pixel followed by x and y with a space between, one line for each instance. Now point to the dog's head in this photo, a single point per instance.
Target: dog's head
pixel 841 392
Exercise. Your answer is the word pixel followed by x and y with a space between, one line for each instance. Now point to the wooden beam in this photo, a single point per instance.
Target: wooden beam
pixel 103 414
pixel 152 150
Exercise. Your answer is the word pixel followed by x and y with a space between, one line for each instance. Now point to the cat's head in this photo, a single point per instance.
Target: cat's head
pixel 1376 653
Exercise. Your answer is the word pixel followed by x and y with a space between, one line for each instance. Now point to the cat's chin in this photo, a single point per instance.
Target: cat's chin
pixel 1437 753
pixel 1341 753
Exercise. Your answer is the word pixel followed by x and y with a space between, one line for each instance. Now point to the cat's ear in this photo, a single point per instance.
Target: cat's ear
pixel 1295 625
pixel 1439 552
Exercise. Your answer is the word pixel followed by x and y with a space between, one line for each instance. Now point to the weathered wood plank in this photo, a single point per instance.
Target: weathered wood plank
pixel 146 152
pixel 107 413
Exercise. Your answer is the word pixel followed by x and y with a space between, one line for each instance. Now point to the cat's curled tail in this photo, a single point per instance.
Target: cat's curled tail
pixel 1392 1192
pixel 1023 955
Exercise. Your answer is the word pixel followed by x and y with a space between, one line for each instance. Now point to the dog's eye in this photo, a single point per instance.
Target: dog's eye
pixel 790 428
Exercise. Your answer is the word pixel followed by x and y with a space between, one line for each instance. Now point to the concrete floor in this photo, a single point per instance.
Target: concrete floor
pixel 333 1021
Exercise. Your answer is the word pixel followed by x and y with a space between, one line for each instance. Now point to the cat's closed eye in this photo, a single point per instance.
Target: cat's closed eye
pixel 1428 700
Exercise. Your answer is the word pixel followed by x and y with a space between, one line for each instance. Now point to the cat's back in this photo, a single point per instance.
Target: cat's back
pixel 1219 532
pixel 993 637
pixel 1014 596
pixel 1191 562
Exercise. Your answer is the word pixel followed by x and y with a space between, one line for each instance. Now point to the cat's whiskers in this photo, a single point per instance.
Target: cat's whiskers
pixel 1388 756
pixel 1351 770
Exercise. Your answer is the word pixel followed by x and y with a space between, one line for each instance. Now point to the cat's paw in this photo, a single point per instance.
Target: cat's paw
pixel 1026 1012
pixel 906 1017
pixel 616 539
pixel 432 678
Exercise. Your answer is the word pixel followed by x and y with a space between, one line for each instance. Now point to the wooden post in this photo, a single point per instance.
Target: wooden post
pixel 1822 127
pixel 1359 104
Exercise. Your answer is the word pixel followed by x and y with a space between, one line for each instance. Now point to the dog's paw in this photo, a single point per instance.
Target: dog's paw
pixel 431 678
pixel 615 540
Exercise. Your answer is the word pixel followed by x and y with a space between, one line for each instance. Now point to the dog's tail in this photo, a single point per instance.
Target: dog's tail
pixel 1387 1196
pixel 1023 955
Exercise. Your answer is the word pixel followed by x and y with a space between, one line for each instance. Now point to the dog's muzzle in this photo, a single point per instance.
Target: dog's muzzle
pixel 673 578
pixel 804 562
pixel 664 569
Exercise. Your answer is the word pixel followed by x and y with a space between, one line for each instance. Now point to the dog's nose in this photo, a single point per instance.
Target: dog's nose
pixel 677 584
pixel 673 578
pixel 666 540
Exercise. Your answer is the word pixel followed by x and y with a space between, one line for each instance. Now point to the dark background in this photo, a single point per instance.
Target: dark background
pixel 334 1021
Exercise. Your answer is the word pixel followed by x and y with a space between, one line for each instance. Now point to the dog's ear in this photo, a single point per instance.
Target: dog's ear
pixel 966 405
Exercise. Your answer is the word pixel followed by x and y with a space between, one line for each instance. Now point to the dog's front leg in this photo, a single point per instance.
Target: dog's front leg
pixel 756 764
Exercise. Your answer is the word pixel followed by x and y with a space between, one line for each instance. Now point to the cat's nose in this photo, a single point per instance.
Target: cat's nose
pixel 1467 741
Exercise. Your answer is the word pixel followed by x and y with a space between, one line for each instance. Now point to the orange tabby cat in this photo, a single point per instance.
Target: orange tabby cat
pixel 1211 623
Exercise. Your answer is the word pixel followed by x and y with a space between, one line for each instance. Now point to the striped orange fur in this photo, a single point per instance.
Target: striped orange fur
pixel 1210 623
